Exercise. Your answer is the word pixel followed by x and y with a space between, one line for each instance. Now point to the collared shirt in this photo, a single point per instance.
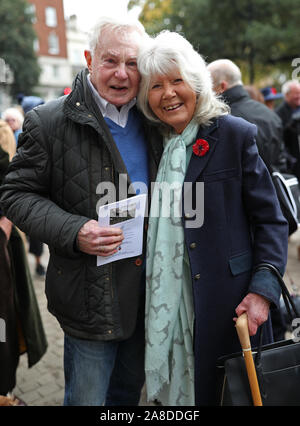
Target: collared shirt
pixel 111 111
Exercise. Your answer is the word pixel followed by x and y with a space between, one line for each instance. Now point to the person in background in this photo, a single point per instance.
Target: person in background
pixel 201 270
pixel 29 102
pixel 14 118
pixel 291 103
pixel 36 247
pixel 270 96
pixel 289 112
pixel 254 93
pixel 19 311
pixel 70 146
pixel 227 81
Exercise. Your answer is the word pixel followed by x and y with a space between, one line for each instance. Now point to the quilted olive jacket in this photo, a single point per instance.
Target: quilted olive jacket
pixel 64 152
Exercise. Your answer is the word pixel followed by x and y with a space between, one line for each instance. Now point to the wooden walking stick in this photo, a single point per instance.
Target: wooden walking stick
pixel 243 333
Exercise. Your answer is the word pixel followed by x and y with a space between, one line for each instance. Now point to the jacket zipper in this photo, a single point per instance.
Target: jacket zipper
pixel 111 269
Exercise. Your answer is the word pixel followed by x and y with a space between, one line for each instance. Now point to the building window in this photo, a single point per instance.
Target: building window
pixel 53 44
pixel 51 17
pixel 30 9
pixel 77 56
pixel 55 71
pixel 36 45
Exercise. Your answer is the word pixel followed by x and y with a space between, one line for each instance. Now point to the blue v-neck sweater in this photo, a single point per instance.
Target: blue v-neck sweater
pixel 131 143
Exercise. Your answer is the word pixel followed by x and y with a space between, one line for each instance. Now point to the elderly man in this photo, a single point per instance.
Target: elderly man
pixel 69 146
pixel 291 104
pixel 227 80
pixel 289 112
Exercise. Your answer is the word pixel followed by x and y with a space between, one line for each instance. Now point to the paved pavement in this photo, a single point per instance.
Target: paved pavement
pixel 43 384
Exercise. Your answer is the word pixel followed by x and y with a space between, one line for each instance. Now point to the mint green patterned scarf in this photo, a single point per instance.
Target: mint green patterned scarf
pixel 169 356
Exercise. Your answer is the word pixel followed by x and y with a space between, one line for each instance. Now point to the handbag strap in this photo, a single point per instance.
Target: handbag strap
pixel 287 298
pixel 288 301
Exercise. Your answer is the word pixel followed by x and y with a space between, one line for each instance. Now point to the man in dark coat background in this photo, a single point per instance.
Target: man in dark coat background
pixel 289 112
pixel 227 81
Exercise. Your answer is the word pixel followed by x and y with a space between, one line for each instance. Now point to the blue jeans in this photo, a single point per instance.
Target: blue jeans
pixel 104 373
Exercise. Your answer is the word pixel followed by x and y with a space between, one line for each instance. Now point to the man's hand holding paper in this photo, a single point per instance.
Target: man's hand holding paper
pixel 126 216
pixel 99 240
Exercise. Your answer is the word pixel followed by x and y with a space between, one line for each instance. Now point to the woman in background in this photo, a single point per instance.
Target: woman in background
pixel 21 328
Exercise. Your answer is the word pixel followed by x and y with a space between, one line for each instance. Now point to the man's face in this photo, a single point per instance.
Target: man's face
pixel 293 96
pixel 113 68
pixel 12 122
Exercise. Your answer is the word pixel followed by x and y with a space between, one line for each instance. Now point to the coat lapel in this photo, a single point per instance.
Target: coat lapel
pixel 197 164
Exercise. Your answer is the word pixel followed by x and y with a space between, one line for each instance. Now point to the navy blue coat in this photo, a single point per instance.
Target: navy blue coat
pixel 243 227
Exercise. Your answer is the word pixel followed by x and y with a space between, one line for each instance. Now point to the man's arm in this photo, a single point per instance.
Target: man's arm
pixel 25 192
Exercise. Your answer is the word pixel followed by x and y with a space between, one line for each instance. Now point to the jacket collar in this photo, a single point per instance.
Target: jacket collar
pixel 80 106
pixel 197 164
pixel 235 94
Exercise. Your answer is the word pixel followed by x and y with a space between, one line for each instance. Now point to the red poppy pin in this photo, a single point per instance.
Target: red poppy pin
pixel 200 147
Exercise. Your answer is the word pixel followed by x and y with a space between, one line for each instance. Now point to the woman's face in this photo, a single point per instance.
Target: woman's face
pixel 172 100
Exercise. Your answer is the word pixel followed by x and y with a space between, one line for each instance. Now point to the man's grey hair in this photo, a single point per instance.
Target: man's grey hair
pixel 169 52
pixel 286 87
pixel 120 26
pixel 225 70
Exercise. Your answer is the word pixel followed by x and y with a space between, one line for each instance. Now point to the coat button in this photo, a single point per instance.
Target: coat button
pixel 138 261
pixel 193 245
pixel 77 103
pixel 197 277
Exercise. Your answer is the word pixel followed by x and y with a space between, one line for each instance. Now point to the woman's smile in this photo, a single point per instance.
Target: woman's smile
pixel 173 107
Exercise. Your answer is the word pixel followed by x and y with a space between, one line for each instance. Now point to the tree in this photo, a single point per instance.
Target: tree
pixel 250 31
pixel 16 45
pixel 154 14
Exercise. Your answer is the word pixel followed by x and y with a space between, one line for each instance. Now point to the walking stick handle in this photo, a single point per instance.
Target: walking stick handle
pixel 243 331
pixel 243 334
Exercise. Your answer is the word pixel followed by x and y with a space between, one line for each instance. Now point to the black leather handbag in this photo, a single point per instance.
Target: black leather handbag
pixel 277 367
pixel 288 193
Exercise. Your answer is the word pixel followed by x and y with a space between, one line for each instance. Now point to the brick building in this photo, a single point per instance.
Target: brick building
pixel 51 47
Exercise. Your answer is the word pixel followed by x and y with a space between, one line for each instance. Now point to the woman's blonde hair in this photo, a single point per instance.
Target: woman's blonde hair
pixel 7 139
pixel 168 51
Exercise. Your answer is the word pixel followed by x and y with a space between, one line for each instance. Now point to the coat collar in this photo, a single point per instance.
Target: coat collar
pixel 235 94
pixel 80 107
pixel 197 164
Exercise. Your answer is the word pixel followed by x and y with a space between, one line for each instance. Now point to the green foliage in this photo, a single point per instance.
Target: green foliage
pixel 16 45
pixel 255 32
